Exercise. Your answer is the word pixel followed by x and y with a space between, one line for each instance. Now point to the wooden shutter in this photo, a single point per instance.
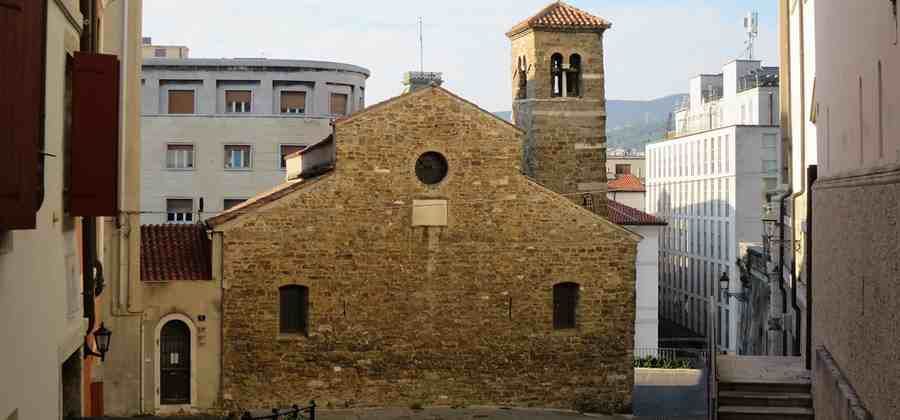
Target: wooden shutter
pixel 293 100
pixel 21 111
pixel 181 101
pixel 338 104
pixel 94 181
pixel 237 96
pixel 96 409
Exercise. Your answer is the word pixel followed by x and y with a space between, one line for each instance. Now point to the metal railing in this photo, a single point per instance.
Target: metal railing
pixel 670 358
pixel 294 413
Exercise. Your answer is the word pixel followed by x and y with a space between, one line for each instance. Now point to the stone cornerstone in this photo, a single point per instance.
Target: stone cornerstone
pixel 458 311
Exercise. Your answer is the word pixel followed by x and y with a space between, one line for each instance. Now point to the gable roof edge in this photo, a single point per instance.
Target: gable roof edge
pixel 421 92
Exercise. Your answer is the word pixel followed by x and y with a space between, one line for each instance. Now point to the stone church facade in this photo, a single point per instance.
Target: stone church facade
pixel 407 259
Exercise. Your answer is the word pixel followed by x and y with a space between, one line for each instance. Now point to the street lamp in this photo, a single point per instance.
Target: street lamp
pixel 101 337
pixel 724 282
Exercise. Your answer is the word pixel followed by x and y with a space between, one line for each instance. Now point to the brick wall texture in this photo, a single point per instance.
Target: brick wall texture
pixel 460 314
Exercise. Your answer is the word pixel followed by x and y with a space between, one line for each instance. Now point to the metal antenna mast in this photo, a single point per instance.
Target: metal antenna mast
pixel 751 25
pixel 421 48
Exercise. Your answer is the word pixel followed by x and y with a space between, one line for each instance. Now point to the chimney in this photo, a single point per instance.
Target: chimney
pixel 416 80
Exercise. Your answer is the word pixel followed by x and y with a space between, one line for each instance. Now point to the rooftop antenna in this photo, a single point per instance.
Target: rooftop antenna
pixel 421 48
pixel 751 26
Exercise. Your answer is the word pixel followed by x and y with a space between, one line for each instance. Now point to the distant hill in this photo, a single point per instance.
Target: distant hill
pixel 631 124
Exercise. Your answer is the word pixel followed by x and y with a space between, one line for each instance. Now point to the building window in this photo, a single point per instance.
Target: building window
pixel 431 168
pixel 622 169
pixel 556 75
pixel 159 52
pixel 237 157
pixel 565 303
pixel 237 101
pixel 231 202
pixel 293 102
pixel 179 210
pixel 181 101
pixel 587 201
pixel 294 310
pixel 287 149
pixel 180 156
pixel 573 77
pixel 338 104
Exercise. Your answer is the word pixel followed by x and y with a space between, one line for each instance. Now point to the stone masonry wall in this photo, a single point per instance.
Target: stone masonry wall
pixel 565 144
pixel 450 315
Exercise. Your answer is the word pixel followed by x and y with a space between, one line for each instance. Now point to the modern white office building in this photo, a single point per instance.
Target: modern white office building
pixel 710 180
pixel 215 131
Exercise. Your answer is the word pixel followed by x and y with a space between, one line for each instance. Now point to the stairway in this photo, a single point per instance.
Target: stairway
pixel 758 388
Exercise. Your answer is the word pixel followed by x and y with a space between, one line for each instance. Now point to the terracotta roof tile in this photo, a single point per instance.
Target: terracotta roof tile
pixel 621 214
pixel 627 183
pixel 175 252
pixel 559 15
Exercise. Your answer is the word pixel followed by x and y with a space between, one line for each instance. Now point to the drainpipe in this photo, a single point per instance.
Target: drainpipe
pixel 781 212
pixel 801 174
pixel 812 176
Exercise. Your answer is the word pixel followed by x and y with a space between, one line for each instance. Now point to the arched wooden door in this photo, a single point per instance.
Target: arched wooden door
pixel 175 363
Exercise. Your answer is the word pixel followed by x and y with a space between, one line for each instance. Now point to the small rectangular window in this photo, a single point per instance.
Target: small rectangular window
pixel 231 202
pixel 565 303
pixel 179 210
pixel 180 156
pixel 237 157
pixel 287 149
pixel 237 101
pixel 294 310
pixel 623 169
pixel 159 52
pixel 338 104
pixel 181 101
pixel 293 102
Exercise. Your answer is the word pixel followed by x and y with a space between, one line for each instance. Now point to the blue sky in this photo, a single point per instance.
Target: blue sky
pixel 651 51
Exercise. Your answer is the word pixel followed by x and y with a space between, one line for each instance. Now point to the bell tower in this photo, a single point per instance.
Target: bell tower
pixel 559 100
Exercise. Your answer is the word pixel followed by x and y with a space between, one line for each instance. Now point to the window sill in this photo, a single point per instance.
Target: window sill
pixel 291 337
pixel 180 169
pixel 238 169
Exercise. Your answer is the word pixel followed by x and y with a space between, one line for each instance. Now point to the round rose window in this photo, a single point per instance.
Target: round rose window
pixel 431 168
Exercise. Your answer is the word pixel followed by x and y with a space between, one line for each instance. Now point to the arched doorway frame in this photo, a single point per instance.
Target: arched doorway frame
pixel 156 365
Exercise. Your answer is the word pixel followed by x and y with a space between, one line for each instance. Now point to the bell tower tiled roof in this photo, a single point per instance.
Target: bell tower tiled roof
pixel 559 15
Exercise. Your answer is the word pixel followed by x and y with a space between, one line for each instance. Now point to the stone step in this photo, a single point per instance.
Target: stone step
pixel 765 386
pixel 765 399
pixel 736 412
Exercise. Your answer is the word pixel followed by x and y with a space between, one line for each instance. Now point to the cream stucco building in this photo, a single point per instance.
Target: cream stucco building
pixel 841 208
pixel 69 231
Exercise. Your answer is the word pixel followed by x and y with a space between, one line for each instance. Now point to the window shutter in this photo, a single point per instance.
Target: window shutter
pixel 94 180
pixel 21 111
pixel 338 104
pixel 293 100
pixel 237 96
pixel 181 102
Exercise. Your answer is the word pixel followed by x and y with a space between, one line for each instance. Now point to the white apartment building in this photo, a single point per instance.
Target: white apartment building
pixel 215 131
pixel 709 180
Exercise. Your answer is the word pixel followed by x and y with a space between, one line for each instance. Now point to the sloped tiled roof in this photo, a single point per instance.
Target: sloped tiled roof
pixel 559 15
pixel 175 252
pixel 626 183
pixel 621 214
